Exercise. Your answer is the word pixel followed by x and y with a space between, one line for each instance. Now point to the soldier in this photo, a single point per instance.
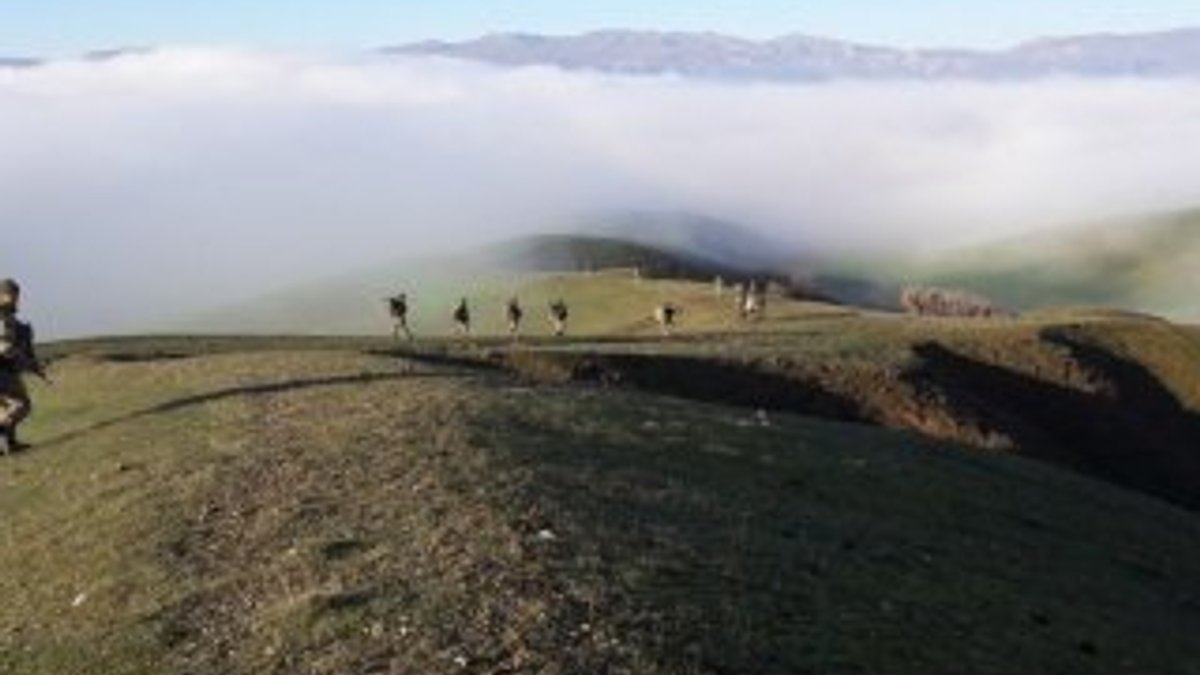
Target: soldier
pixel 398 309
pixel 462 317
pixel 558 316
pixel 665 315
pixel 760 299
pixel 16 357
pixel 753 299
pixel 514 312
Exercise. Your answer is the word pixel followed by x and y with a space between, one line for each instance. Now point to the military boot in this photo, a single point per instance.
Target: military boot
pixel 11 444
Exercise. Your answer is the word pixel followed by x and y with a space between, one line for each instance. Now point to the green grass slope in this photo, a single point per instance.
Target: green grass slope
pixel 1079 388
pixel 195 508
pixel 1113 395
pixel 1147 264
pixel 353 303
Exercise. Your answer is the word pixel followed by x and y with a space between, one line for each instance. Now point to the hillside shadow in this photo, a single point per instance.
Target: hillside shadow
pixel 444 358
pixel 697 379
pixel 234 392
pixel 1132 432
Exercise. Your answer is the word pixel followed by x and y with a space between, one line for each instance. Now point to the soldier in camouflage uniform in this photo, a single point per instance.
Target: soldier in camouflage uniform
pixel 398 310
pixel 514 313
pixel 15 405
pixel 462 317
pixel 558 316
pixel 665 315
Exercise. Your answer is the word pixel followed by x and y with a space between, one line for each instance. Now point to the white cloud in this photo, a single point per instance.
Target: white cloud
pixel 168 180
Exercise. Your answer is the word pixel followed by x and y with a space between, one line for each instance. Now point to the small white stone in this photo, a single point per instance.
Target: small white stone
pixel 79 600
pixel 546 535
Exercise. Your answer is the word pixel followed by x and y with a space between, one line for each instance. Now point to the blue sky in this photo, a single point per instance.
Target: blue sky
pixel 59 27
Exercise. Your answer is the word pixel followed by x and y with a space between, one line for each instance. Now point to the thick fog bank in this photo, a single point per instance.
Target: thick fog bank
pixel 151 184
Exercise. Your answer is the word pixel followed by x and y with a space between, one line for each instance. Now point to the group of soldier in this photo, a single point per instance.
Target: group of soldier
pixel 751 302
pixel 17 356
pixel 514 314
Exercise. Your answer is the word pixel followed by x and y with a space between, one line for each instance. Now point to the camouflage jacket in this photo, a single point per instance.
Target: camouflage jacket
pixel 11 353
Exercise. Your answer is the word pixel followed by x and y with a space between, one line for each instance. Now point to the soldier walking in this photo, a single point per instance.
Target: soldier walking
pixel 665 315
pixel 514 313
pixel 558 317
pixel 398 309
pixel 16 357
pixel 462 317
pixel 753 300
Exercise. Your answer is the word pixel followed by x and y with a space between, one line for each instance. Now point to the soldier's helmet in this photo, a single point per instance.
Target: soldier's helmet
pixel 10 291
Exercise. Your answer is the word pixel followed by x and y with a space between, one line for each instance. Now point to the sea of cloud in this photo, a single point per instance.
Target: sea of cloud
pixel 155 183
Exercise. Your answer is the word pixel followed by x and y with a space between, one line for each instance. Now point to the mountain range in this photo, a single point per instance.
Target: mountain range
pixel 17 62
pixel 798 57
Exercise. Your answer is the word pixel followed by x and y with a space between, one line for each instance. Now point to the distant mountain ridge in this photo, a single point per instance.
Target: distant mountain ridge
pixel 17 62
pixel 799 57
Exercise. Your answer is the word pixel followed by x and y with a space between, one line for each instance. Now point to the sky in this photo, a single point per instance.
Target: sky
pixel 50 28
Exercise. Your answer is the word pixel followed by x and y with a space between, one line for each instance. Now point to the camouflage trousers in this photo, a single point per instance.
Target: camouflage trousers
pixel 15 405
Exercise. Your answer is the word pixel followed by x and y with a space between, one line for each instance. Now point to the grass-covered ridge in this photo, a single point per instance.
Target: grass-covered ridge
pixel 283 511
pixel 1145 264
pixel 1113 396
pixel 614 501
pixel 353 303
pixel 1074 387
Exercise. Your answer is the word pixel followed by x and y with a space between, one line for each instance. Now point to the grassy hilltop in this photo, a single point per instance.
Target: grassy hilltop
pixel 1148 263
pixel 826 491
pixel 1145 264
pixel 354 303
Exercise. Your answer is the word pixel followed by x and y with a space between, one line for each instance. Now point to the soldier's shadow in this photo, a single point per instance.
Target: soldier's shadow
pixel 236 392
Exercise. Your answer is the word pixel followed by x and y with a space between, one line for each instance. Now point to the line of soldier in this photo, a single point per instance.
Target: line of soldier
pixel 397 306
pixel 17 355
pixel 751 305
